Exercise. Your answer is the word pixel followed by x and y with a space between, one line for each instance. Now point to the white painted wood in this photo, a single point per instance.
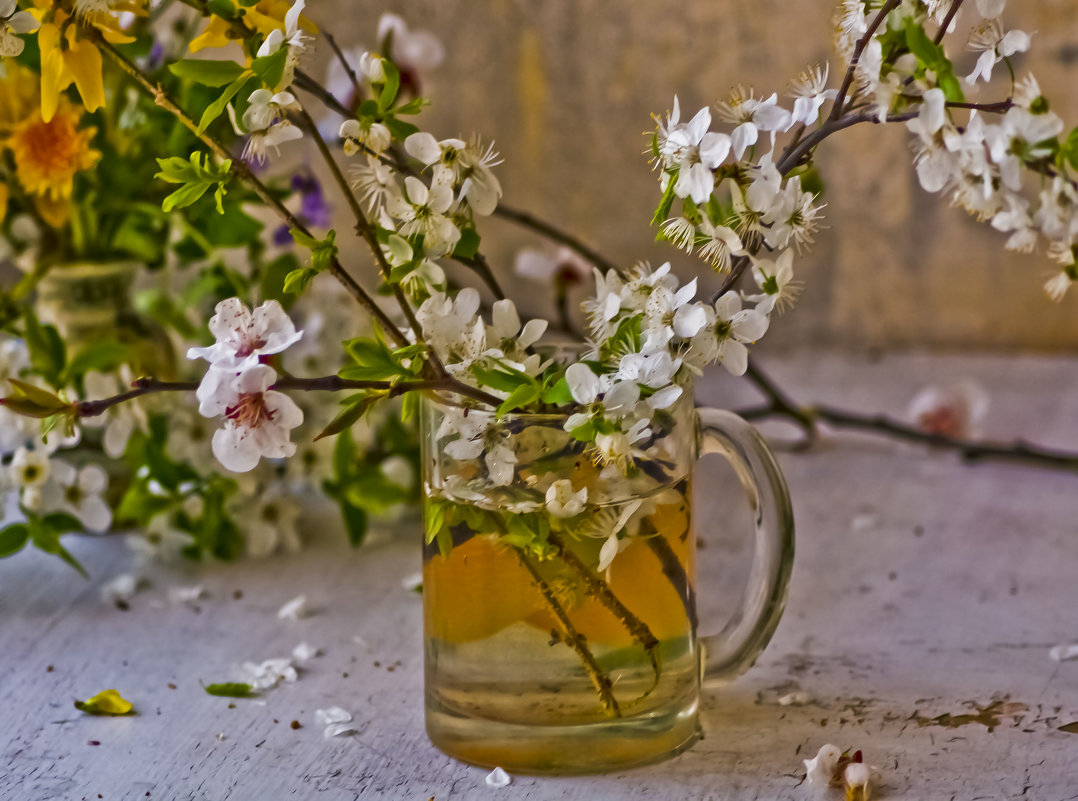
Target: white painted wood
pixel 922 587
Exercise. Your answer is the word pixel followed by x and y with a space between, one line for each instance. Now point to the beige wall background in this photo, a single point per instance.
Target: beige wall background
pixel 566 89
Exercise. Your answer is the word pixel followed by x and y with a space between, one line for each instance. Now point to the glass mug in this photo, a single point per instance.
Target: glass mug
pixel 561 637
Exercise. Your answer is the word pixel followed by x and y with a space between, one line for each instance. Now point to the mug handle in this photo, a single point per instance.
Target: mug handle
pixel 735 648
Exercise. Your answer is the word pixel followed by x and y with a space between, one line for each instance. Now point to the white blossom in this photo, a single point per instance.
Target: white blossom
pixel 561 266
pixel 728 330
pixel 422 210
pixel 954 410
pixel 295 609
pixel 267 675
pixel 418 51
pixel 244 336
pixel 357 134
pixel 80 494
pixel 990 8
pixel 13 23
pixel 562 501
pixel 498 778
pixel 752 115
pixel 996 46
pixel 778 290
pixel 859 778
pixel 258 420
pixel 291 36
pixel 821 768
pixel 810 93
pixel 695 153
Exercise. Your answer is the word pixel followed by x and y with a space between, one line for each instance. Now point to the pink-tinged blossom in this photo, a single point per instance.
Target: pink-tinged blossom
pixel 258 420
pixel 245 336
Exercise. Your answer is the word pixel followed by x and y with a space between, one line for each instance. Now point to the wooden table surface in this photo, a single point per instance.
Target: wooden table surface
pixel 925 598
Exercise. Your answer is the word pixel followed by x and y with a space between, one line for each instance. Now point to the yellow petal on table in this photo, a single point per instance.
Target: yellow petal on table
pixel 107 702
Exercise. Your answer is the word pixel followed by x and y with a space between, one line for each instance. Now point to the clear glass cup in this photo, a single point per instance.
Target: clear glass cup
pixel 562 638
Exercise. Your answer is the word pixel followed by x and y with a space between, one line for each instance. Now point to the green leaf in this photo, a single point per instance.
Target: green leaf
pixel 503 380
pixel 33 401
pixel 217 107
pixel 558 394
pixel 355 522
pixel 467 245
pixel 46 538
pixel 662 213
pixel 520 397
pixel 374 362
pixel 207 72
pixel 13 539
pixel 271 68
pixel 350 415
pixel 932 57
pixel 232 689
pixel 197 175
pixel 1069 149
pixel 434 518
pixel 225 9
pixel 323 251
pixel 401 130
pixel 104 355
pixel 297 281
pixel 107 702
pixel 47 352
pixel 390 87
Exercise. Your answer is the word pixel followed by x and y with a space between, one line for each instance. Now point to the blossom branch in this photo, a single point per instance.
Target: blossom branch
pixel 951 13
pixel 351 73
pixel 244 173
pixel 331 383
pixel 847 80
pixel 780 404
pixel 554 234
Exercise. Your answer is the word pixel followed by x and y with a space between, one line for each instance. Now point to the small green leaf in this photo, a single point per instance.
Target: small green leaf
pixel 229 689
pixel 467 245
pixel 390 87
pixel 13 539
pixel 103 355
pixel 662 213
pixel 350 415
pixel 355 522
pixel 208 72
pixel 558 394
pixel 217 107
pixel 297 281
pixel 47 352
pixel 323 251
pixel 271 68
pixel 107 702
pixel 520 397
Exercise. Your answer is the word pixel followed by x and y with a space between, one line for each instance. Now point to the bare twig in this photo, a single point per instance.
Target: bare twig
pixel 957 4
pixel 574 639
pixel 330 383
pixel 855 59
pixel 554 234
pixel 780 404
pixel 600 590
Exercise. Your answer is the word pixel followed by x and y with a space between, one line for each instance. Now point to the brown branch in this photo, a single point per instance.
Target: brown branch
pixel 242 171
pixel 574 639
pixel 344 63
pixel 859 48
pixel 957 4
pixel 598 588
pixel 528 220
pixel 808 418
pixel 148 385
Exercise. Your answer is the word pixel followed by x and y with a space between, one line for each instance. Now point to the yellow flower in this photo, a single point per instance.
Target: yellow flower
pixel 49 153
pixel 67 57
pixel 264 17
pixel 18 95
